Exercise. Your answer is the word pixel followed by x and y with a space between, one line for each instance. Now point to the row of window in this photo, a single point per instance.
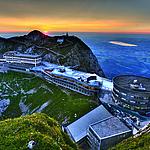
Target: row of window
pixel 119 92
pixel 18 68
pixel 71 86
pixel 132 96
pixel 131 100
pixel 92 135
pixel 68 82
pixel 93 141
pixel 73 81
pixel 133 107
pixel 22 58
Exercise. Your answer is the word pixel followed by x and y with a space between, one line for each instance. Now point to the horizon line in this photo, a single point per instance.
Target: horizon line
pixel 104 32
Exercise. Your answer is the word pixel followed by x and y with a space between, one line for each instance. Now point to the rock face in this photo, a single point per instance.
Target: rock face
pixel 63 50
pixel 80 55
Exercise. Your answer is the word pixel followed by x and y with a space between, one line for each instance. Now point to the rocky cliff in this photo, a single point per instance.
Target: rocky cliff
pixel 63 50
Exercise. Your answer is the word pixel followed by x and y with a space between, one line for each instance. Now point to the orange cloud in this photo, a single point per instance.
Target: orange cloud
pixel 46 24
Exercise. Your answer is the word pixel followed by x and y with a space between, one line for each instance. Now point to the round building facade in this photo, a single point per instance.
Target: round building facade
pixel 132 92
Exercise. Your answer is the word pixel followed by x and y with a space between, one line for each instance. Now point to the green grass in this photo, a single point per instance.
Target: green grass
pixel 63 104
pixel 45 131
pixel 140 143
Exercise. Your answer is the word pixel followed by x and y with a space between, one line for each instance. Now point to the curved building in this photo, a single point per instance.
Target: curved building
pixel 132 92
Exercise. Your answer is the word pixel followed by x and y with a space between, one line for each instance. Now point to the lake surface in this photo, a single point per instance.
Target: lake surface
pixel 117 53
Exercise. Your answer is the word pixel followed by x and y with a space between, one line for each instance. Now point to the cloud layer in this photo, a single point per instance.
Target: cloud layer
pixel 69 15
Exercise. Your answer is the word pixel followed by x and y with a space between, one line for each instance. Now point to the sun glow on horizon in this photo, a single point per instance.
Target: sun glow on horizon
pixel 75 16
pixel 56 25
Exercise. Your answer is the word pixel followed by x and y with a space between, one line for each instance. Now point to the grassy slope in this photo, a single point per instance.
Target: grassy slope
pixel 63 105
pixel 45 131
pixel 140 143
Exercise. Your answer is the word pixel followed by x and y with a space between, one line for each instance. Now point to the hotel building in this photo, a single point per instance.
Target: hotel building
pixel 132 92
pixel 16 57
pixel 80 82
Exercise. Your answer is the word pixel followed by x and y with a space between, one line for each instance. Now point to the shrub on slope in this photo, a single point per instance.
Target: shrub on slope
pixel 141 142
pixel 45 131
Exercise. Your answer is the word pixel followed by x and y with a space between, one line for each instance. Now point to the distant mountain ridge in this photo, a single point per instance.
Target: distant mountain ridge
pixel 71 52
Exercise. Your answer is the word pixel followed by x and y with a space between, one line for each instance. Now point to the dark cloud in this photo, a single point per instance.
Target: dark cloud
pixel 98 9
pixel 121 14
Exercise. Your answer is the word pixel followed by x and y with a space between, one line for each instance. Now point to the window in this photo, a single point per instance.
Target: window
pixel 116 90
pixel 133 102
pixel 123 93
pixel 142 103
pixel 123 98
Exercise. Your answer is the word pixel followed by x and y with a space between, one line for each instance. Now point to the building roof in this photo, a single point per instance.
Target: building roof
pixel 78 129
pixel 109 127
pixel 125 82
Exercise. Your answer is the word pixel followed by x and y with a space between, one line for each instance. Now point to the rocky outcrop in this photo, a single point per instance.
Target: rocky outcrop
pixel 71 51
pixel 81 56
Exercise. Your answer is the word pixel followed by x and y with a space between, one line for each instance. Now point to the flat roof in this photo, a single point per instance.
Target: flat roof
pixel 78 129
pixel 109 127
pixel 124 81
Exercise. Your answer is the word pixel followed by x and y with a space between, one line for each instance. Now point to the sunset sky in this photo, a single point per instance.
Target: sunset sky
pixel 75 16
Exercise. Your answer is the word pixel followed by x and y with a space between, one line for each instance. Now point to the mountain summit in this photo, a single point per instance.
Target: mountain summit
pixel 35 35
pixel 62 50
